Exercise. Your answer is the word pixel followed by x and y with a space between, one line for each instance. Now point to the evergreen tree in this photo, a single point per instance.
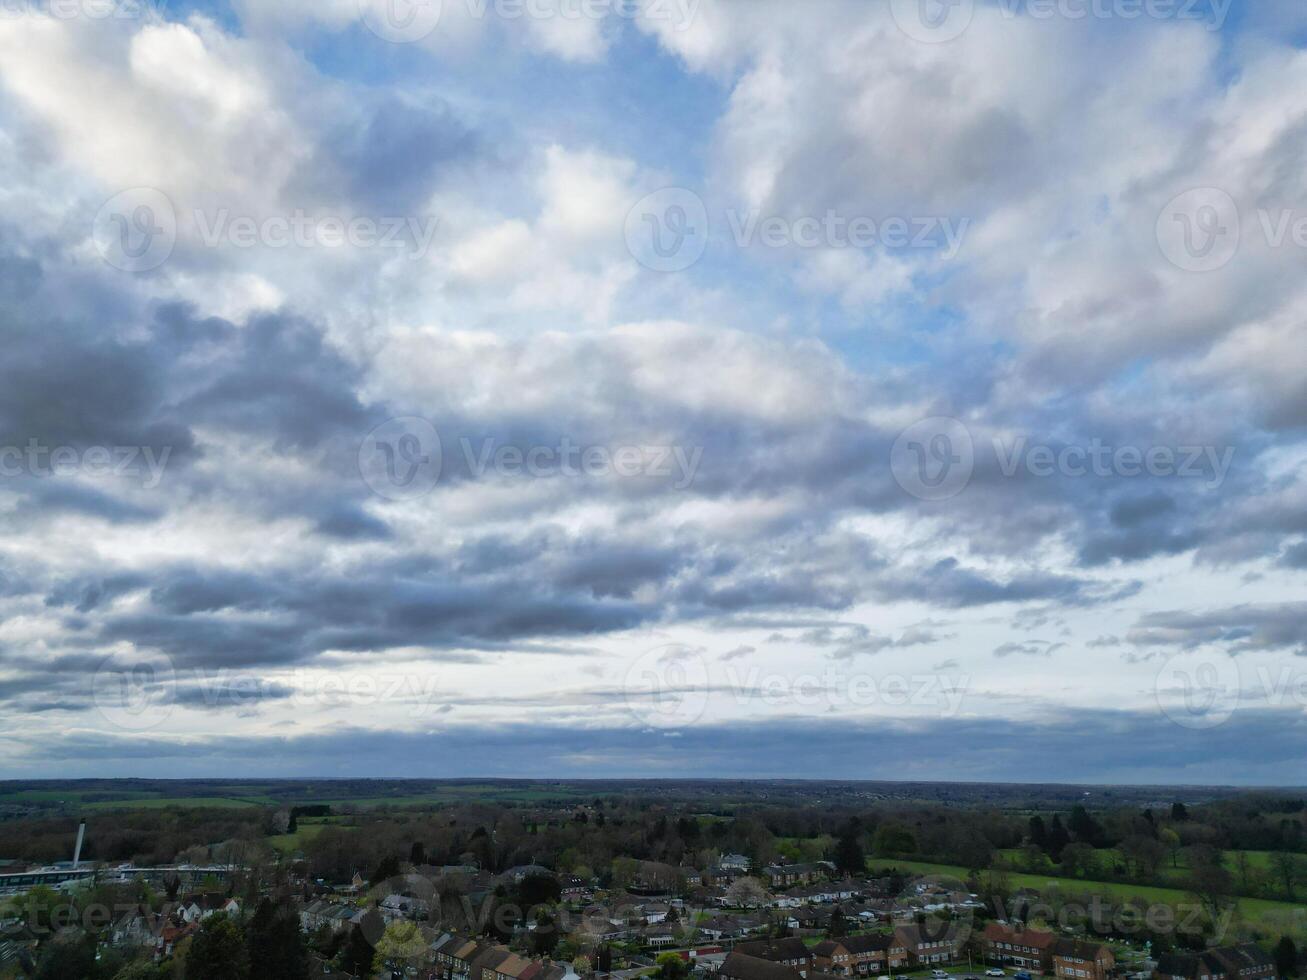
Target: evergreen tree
pixel 276 947
pixel 1178 812
pixel 62 960
pixel 849 857
pixel 1058 838
pixel 1286 957
pixel 218 951
pixel 1038 832
pixel 359 955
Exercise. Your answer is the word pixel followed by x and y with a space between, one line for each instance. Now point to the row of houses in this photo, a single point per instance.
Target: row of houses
pixel 459 958
pixel 1247 961
pixel 1041 952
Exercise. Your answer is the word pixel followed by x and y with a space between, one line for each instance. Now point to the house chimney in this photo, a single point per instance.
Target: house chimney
pixel 77 852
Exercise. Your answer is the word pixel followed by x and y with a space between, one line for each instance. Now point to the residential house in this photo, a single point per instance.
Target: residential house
pixel 742 966
pixel 930 942
pixel 788 875
pixel 1028 949
pixel 335 915
pixel 1247 961
pixel 733 862
pixel 139 927
pixel 860 956
pixel 792 952
pixel 1075 959
pixel 395 907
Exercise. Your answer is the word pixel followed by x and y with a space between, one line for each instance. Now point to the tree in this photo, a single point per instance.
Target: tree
pixel 388 868
pixel 276 946
pixel 402 940
pixel 746 893
pixel 848 854
pixel 359 956
pixel 1286 957
pixel 838 926
pixel 143 970
pixel 218 951
pixel 1171 841
pixel 671 967
pixel 1179 812
pixel 1038 832
pixel 1288 871
pixel 893 839
pixel 62 960
pixel 1058 838
pixel 417 854
pixel 544 938
pixel 1211 884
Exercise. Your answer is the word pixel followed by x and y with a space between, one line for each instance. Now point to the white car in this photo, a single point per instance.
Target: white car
pixel 938 975
pixel 994 972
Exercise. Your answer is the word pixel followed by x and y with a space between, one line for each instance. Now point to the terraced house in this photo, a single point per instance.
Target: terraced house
pixel 1029 949
pixel 1074 959
pixel 931 942
pixel 1247 961
pixel 860 956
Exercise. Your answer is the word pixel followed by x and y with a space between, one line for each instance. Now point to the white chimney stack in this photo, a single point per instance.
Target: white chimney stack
pixel 77 854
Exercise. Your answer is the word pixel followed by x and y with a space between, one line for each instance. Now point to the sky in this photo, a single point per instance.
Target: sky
pixel 890 389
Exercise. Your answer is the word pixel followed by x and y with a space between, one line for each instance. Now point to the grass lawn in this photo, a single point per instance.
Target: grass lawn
pixel 290 843
pixel 181 802
pixel 1258 911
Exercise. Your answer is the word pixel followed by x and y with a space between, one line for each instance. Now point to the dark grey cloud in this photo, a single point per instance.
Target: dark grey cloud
pixel 1271 626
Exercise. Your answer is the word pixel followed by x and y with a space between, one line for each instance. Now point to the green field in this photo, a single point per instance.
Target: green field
pixel 1256 911
pixel 290 843
pixel 180 802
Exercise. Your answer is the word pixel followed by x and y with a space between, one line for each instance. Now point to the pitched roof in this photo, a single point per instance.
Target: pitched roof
pixel 1000 933
pixel 1076 949
pixel 742 966
pixel 789 948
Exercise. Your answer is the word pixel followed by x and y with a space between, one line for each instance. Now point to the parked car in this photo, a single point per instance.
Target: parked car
pixel 995 971
pixel 1022 975
pixel 938 975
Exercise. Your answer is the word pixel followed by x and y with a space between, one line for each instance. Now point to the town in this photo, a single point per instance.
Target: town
pixel 625 887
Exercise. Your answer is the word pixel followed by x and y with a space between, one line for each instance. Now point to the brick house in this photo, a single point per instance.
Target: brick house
pixel 1247 961
pixel 859 956
pixel 1074 959
pixel 930 943
pixel 1028 949
pixel 792 952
